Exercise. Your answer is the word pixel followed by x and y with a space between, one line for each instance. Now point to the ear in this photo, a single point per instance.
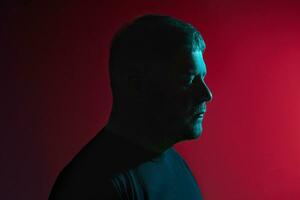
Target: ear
pixel 136 82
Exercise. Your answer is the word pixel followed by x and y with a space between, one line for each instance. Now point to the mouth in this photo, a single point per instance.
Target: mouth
pixel 199 115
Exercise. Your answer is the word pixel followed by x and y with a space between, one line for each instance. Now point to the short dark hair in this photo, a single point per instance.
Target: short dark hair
pixel 150 38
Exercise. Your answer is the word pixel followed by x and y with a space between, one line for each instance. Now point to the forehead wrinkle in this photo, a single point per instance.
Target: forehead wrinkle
pixel 187 63
pixel 196 65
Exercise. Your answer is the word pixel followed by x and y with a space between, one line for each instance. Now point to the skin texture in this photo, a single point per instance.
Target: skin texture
pixel 164 102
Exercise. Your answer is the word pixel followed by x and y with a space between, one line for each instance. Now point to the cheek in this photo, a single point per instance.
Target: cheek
pixel 178 104
pixel 169 101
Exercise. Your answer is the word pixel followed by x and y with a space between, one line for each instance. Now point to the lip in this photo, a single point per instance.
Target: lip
pixel 200 112
pixel 199 115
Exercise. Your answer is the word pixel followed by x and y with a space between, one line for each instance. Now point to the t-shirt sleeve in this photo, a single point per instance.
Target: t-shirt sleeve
pixel 124 185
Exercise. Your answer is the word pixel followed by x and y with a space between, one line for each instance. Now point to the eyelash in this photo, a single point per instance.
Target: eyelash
pixel 190 82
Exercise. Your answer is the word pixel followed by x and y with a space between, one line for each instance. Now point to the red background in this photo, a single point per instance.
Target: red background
pixel 57 96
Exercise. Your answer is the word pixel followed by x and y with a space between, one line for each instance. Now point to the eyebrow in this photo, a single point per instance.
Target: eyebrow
pixel 194 73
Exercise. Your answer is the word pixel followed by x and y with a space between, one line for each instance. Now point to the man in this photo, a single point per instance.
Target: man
pixel 157 76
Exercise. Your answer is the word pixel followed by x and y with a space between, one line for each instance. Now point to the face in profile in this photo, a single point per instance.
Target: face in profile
pixel 178 95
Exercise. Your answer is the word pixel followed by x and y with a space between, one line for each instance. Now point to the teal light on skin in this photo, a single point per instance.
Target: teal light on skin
pixel 165 102
pixel 193 81
pixel 183 93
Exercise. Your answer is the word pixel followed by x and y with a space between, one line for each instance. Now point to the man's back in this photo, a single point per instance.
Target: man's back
pixel 110 167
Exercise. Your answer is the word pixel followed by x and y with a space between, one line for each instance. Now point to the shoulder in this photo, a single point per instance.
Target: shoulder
pixel 180 160
pixel 77 187
pixel 87 175
pixel 175 155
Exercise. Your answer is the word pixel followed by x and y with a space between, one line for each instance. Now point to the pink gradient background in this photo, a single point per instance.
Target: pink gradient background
pixel 57 97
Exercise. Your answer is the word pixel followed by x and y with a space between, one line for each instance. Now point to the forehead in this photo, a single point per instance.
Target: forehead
pixel 185 63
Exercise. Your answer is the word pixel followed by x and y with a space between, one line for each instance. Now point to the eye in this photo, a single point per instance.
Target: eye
pixel 186 80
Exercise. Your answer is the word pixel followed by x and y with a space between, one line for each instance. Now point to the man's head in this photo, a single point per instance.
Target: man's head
pixel 157 77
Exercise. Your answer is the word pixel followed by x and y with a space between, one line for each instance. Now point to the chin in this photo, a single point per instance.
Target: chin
pixel 188 130
pixel 191 132
pixel 195 133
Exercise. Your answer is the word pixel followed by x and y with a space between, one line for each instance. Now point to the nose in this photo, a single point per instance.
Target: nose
pixel 203 93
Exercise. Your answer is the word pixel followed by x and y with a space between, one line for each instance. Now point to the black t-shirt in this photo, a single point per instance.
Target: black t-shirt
pixel 111 167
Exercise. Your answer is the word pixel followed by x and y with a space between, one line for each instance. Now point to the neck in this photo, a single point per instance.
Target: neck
pixel 137 132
